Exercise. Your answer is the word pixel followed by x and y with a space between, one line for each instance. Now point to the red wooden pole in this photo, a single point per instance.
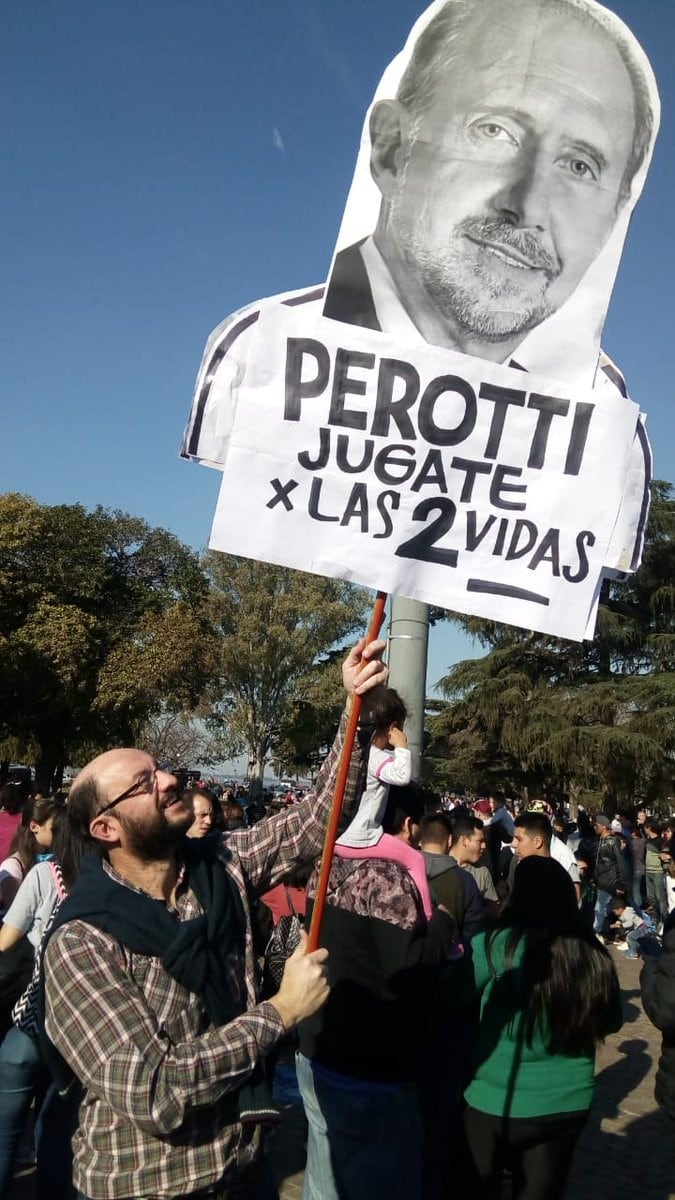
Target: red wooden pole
pixel 376 620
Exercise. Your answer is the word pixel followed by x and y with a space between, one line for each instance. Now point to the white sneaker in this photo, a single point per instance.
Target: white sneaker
pixel 622 945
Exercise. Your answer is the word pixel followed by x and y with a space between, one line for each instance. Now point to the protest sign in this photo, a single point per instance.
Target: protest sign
pixel 440 419
pixel 426 472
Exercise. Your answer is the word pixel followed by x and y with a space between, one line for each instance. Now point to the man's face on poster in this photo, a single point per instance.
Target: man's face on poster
pixel 507 183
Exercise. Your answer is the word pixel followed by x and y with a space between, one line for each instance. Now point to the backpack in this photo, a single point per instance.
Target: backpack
pixel 24 1012
pixel 284 939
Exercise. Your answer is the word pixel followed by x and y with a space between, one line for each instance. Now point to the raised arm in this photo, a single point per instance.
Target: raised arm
pixel 269 850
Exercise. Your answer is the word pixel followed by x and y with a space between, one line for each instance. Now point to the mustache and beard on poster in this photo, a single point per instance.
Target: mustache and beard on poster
pixel 439 420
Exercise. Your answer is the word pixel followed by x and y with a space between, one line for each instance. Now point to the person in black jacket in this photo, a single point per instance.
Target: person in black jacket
pixel 610 870
pixel 657 981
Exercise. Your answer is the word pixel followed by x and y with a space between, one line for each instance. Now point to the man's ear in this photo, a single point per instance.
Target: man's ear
pixel 407 828
pixel 105 829
pixel 389 129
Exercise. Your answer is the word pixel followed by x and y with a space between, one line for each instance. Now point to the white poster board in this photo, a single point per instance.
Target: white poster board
pixel 439 418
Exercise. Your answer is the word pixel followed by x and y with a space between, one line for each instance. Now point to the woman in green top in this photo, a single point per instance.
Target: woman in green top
pixel 549 995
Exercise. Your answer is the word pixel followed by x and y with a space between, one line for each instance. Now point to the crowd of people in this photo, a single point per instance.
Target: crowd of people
pixel 444 1032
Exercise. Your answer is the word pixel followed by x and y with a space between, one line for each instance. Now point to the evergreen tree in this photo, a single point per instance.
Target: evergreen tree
pixel 541 713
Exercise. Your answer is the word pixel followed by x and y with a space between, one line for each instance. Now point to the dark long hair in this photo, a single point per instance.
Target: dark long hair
pixel 23 842
pixel 68 847
pixel 569 983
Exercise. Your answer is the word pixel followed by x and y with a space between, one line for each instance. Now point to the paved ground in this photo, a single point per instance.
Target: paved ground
pixel 625 1152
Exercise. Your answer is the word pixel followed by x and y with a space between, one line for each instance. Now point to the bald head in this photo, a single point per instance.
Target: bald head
pixel 101 780
pixel 122 798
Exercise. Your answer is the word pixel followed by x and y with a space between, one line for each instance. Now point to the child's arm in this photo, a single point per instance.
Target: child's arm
pixel 398 769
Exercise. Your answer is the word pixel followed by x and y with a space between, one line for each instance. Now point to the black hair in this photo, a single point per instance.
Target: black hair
pixel 569 984
pixel 386 709
pixel 466 827
pixel 435 826
pixel 68 847
pixel 402 802
pixel 23 842
pixel 537 824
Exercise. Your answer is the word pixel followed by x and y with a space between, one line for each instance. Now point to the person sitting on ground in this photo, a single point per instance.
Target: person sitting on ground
pixel 550 994
pixel 629 922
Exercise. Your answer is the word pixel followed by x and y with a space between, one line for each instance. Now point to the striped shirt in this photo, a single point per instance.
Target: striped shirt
pixel 159 1113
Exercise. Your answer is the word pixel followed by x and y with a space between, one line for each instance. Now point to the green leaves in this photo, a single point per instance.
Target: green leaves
pixel 101 621
pixel 273 624
pixel 542 713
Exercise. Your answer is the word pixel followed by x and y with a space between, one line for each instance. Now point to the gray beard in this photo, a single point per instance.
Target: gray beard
pixel 477 307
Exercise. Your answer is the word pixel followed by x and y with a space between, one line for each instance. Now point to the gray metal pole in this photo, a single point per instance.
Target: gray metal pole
pixel 408 642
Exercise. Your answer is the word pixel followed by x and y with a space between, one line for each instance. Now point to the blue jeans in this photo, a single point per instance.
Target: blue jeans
pixel 638 894
pixel 364 1140
pixel 634 941
pixel 601 905
pixel 21 1076
pixel 657 894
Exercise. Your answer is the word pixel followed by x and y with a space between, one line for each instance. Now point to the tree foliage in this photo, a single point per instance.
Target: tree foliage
pixel 274 626
pixel 538 712
pixel 177 738
pixel 101 622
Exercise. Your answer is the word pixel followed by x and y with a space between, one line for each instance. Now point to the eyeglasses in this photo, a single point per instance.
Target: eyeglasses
pixel 142 787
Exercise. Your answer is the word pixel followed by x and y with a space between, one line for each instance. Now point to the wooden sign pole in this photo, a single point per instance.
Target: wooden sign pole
pixel 376 620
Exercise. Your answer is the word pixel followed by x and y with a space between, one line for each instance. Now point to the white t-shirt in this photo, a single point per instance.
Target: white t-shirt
pixel 562 854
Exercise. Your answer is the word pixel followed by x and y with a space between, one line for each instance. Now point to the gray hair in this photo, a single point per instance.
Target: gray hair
pixel 439 47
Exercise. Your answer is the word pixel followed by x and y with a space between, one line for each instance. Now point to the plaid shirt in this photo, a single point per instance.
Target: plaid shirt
pixel 158 1117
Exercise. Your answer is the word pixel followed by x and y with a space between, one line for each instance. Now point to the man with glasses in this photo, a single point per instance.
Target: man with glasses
pixel 151 977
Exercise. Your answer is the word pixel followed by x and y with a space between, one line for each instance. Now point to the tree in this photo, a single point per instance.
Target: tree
pixel 177 738
pixel 537 712
pixel 274 625
pixel 102 621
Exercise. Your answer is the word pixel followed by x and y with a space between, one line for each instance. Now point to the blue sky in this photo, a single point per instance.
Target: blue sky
pixel 166 161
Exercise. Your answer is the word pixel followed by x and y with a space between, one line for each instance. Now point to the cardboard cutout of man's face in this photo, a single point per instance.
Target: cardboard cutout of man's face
pixel 439 422
pixel 507 155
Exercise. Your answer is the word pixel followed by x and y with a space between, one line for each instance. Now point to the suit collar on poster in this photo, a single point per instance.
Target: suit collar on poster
pixel 388 308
